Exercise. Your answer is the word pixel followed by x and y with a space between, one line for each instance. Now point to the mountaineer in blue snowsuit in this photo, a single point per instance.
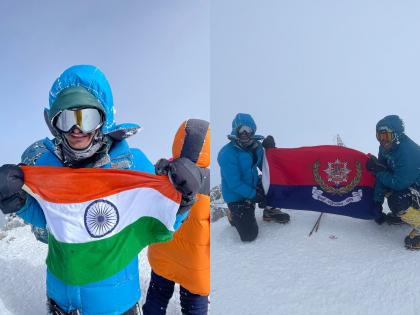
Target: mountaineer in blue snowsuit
pixel 81 119
pixel 239 161
pixel 397 172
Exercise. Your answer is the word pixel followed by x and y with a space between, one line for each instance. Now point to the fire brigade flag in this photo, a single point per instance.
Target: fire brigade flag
pixel 325 178
pixel 100 219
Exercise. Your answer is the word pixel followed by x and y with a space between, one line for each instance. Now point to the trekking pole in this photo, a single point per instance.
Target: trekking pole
pixel 319 222
pixel 316 225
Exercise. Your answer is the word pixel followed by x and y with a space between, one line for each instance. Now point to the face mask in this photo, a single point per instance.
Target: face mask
pixel 245 136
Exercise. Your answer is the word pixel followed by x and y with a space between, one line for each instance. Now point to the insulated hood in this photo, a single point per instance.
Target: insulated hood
pixel 192 141
pixel 88 83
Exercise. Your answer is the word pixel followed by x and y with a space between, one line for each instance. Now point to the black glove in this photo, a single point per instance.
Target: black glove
pixel 269 143
pixel 260 195
pixel 382 217
pixel 374 165
pixel 186 204
pixel 186 177
pixel 162 167
pixel 12 197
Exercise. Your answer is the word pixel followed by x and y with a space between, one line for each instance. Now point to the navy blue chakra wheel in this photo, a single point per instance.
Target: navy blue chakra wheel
pixel 101 218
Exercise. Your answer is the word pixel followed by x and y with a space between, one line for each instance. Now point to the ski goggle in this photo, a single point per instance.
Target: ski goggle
pixel 245 130
pixel 86 119
pixel 385 135
pixel 245 134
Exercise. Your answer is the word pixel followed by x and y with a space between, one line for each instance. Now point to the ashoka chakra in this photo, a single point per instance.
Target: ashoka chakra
pixel 101 218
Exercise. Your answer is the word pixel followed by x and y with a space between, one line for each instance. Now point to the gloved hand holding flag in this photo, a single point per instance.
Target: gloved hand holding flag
pixel 100 219
pixel 324 178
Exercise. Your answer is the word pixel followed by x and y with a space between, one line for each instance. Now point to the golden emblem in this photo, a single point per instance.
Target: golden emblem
pixel 337 190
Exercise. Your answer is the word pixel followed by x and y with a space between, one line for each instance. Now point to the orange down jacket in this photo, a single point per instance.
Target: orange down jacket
pixel 186 258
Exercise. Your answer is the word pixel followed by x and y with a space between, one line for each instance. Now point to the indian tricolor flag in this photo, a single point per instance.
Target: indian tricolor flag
pixel 100 219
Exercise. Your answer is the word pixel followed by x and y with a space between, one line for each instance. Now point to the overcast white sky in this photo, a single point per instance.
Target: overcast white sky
pixel 154 53
pixel 307 70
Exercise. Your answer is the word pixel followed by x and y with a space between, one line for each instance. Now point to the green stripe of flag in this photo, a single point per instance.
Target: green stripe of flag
pixel 84 263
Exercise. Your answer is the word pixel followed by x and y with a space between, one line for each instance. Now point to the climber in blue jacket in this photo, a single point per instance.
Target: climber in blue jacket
pixel 239 161
pixel 397 172
pixel 81 118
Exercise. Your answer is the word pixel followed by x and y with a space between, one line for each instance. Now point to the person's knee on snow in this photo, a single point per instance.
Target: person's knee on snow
pixel 249 235
pixel 243 219
pixel 399 201
pixel 404 204
pixel 246 225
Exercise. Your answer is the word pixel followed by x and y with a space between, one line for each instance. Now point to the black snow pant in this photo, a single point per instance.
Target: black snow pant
pixel 243 219
pixel 160 292
pixel 400 201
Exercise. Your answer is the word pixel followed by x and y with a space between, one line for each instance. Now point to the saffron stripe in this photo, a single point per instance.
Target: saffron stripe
pixel 65 185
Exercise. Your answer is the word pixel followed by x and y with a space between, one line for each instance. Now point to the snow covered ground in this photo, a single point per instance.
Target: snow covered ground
pixel 349 266
pixel 22 274
pixel 2 220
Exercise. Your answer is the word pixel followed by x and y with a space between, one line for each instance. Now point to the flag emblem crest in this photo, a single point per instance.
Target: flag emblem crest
pixel 101 218
pixel 337 174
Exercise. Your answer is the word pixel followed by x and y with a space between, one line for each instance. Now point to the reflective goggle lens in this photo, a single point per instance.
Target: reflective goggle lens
pixel 245 130
pixel 86 119
pixel 385 136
